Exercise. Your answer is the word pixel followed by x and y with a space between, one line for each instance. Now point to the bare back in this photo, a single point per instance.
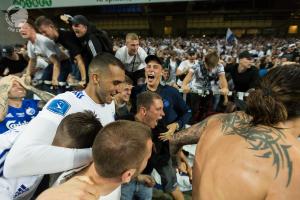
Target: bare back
pixel 235 161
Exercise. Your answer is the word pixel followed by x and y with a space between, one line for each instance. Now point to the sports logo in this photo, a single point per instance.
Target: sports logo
pixel 15 15
pixel 59 106
pixel 30 111
pixel 12 124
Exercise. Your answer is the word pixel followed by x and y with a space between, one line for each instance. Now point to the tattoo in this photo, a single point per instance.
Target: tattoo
pixel 3 100
pixel 187 136
pixel 267 142
pixel 45 96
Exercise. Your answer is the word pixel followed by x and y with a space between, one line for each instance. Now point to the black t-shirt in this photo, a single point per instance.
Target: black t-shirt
pixel 69 41
pixel 14 66
pixel 245 80
pixel 160 154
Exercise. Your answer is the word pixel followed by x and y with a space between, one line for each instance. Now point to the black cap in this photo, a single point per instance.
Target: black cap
pixel 80 19
pixel 245 54
pixel 192 51
pixel 153 57
pixel 7 50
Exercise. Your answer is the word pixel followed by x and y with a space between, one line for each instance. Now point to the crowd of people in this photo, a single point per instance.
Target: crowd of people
pixel 87 116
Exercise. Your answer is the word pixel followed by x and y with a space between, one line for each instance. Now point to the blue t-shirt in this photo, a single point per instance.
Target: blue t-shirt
pixel 19 116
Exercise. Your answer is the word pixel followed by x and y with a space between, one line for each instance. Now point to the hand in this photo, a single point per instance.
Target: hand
pixel 6 84
pixel 66 18
pixel 171 130
pixel 82 83
pixel 25 81
pixel 185 89
pixel 224 91
pixel 55 82
pixel 77 188
pixel 146 179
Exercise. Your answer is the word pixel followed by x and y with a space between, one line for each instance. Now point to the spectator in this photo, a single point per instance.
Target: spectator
pixel 67 39
pixel 15 110
pixel 12 62
pixel 40 46
pixel 133 57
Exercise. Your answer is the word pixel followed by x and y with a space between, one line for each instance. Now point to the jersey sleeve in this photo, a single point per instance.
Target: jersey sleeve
pixel 33 154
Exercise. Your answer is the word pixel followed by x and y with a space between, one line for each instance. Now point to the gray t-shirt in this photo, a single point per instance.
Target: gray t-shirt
pixel 44 48
pixel 203 79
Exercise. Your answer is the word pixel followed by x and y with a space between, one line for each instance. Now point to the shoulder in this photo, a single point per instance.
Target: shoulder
pixel 41 38
pixel 61 104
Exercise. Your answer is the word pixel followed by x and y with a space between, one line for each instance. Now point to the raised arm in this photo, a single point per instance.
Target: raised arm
pixel 5 85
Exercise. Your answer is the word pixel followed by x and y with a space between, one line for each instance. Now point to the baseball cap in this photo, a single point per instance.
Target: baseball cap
pixel 80 19
pixel 192 51
pixel 7 50
pixel 245 54
pixel 153 57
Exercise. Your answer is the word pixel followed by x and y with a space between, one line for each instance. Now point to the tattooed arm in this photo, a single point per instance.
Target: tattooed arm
pixel 5 85
pixel 45 96
pixel 3 101
pixel 187 136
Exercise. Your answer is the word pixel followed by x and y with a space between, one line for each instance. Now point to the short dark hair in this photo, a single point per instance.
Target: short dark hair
pixel 77 130
pixel 211 59
pixel 120 146
pixel 128 80
pixel 43 20
pixel 101 63
pixel 145 99
pixel 277 98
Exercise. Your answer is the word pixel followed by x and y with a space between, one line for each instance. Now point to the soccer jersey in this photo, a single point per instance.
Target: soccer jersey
pixel 19 116
pixel 38 136
pixel 14 188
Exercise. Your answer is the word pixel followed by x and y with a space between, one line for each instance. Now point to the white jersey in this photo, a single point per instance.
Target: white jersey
pixel 14 188
pixel 33 154
pixel 132 63
pixel 114 195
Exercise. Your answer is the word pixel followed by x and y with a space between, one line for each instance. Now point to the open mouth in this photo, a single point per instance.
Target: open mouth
pixel 150 77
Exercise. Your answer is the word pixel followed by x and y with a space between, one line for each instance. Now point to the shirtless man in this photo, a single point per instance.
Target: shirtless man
pixel 252 154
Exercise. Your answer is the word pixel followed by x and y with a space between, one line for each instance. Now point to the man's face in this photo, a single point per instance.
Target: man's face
pixel 17 91
pixel 26 30
pixel 246 62
pixel 192 57
pixel 48 31
pixel 132 46
pixel 125 91
pixel 109 83
pixel 153 73
pixel 79 30
pixel 154 113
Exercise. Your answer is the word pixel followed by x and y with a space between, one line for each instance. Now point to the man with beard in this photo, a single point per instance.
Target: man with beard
pixel 106 73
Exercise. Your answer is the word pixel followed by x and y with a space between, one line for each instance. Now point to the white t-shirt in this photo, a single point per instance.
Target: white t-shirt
pixel 132 63
pixel 184 67
pixel 44 48
pixel 33 154
pixel 114 195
